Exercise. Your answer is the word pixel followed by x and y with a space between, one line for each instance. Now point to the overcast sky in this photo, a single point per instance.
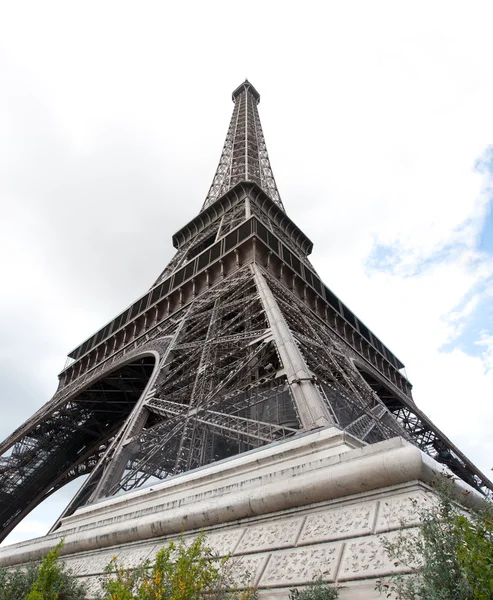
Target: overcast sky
pixel 378 122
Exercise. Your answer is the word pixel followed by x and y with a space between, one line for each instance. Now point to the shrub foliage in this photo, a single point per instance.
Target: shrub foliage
pixel 316 590
pixel 449 556
pixel 48 580
pixel 179 572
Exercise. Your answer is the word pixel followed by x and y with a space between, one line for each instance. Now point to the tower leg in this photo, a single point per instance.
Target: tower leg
pixel 120 451
pixel 310 405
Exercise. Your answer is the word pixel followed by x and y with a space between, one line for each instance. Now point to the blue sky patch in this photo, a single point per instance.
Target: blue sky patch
pixel 480 321
pixel 486 236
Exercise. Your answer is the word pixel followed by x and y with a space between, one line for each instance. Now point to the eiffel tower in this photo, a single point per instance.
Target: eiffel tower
pixel 236 345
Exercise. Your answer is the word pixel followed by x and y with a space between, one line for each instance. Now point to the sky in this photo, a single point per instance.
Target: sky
pixel 378 121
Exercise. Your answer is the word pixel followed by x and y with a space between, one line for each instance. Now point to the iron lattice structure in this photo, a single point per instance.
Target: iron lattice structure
pixel 236 345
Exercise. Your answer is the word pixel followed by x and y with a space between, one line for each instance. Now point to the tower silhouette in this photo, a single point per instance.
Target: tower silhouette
pixel 237 344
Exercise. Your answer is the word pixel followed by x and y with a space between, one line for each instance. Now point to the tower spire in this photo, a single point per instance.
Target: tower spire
pixel 244 156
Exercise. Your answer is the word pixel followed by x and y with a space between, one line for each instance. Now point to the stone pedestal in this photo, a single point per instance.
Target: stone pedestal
pixel 290 511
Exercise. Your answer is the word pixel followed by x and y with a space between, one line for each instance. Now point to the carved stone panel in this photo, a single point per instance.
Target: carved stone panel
pixel 339 523
pixel 365 558
pixel 246 569
pixel 301 565
pixel 89 564
pixel 402 509
pixel 135 555
pixel 221 542
pixel 224 542
pixel 268 536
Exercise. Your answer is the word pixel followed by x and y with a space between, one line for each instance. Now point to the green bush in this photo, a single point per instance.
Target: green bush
pixel 46 581
pixel 317 590
pixel 15 584
pixel 179 572
pixel 449 556
pixel 475 551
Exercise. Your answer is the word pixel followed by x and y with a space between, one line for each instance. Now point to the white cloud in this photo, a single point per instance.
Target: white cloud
pixel 27 530
pixel 421 303
pixel 486 341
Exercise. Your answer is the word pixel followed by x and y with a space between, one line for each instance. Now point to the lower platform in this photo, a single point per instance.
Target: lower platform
pixel 288 512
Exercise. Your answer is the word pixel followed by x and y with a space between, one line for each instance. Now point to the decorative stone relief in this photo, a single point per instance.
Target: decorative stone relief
pixel 278 534
pixel 224 542
pixel 245 570
pixel 156 547
pixel 302 565
pixel 366 557
pixel 134 556
pixel 221 542
pixel 400 509
pixel 339 523
pixel 89 564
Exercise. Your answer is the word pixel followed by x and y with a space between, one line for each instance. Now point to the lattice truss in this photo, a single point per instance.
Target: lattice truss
pixel 220 392
pixel 360 402
pixel 231 219
pixel 71 434
pixel 66 439
pixel 244 156
pixel 353 404
pixel 223 388
pixel 271 226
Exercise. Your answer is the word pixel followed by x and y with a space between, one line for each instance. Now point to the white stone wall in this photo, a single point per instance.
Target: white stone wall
pixel 341 540
pixel 287 513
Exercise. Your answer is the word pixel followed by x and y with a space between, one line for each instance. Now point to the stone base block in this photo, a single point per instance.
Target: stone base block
pixel 317 504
